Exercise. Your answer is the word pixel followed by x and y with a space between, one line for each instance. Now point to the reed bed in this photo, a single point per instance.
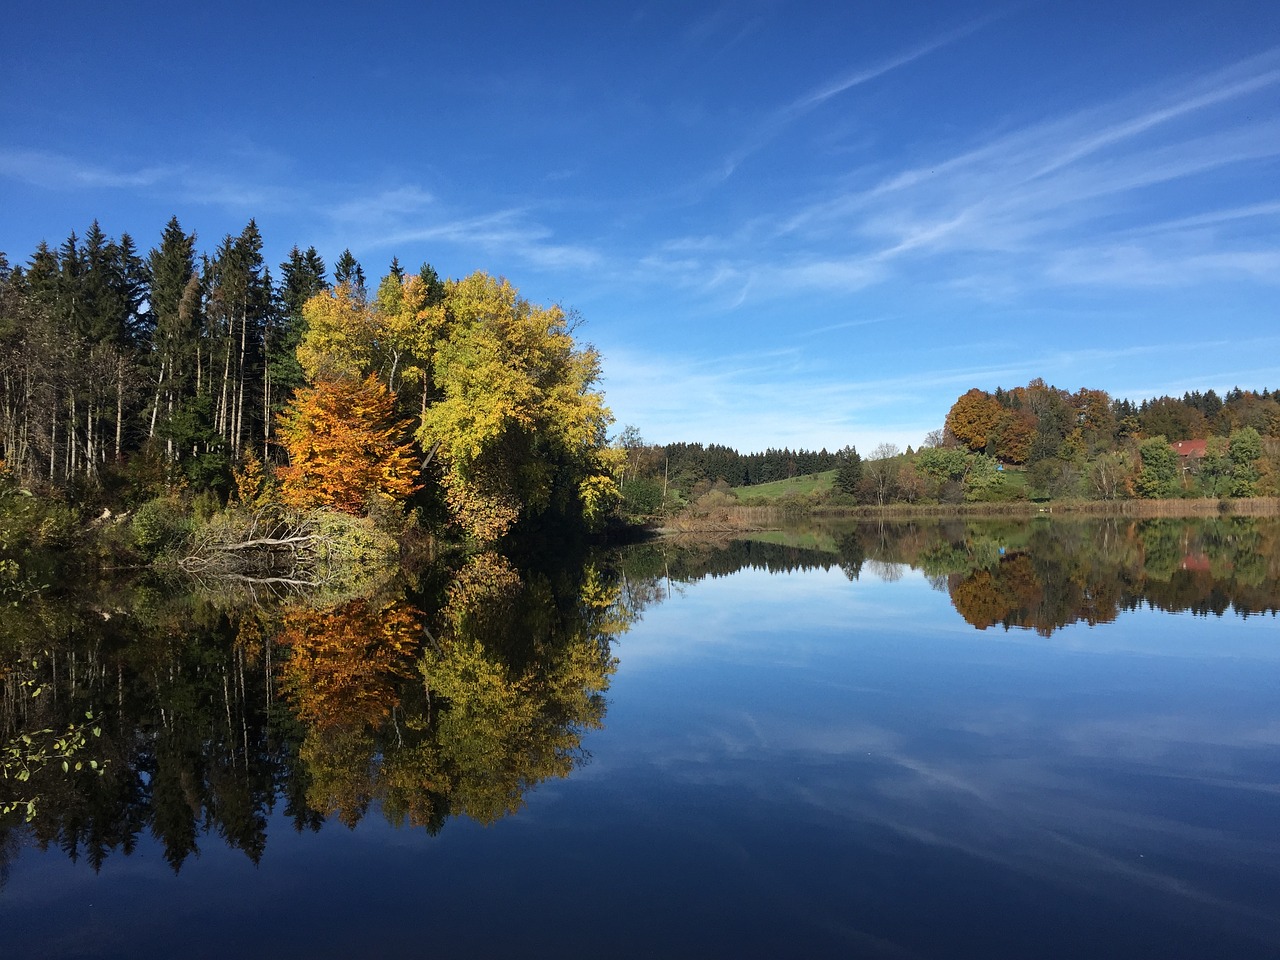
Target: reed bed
pixel 733 517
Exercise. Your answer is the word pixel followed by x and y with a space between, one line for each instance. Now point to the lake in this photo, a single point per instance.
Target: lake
pixel 967 739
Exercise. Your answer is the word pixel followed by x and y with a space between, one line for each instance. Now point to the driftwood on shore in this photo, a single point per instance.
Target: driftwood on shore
pixel 271 545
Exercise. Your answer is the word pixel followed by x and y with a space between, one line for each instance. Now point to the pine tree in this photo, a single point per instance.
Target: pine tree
pixel 347 270
pixel 175 320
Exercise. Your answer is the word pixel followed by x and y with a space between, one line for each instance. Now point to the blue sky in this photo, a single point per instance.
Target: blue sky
pixel 798 224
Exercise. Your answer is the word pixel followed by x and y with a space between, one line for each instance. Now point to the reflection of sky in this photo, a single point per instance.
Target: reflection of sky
pixel 1137 761
pixel 797 765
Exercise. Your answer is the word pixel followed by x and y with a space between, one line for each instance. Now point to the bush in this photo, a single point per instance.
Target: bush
pixel 160 524
pixel 642 497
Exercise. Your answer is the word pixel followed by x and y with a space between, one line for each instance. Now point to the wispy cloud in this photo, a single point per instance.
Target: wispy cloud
pixel 504 233
pixel 1140 192
pixel 774 125
pixel 55 171
pixel 233 186
pixel 369 217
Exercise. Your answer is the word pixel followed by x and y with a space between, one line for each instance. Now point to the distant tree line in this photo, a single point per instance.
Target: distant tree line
pixel 656 473
pixel 1087 444
pixel 1028 442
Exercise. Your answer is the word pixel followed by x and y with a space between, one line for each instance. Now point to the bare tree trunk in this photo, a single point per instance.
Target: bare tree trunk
pixel 244 346
pixel 119 404
pixel 53 443
pixel 223 420
pixel 71 439
pixel 155 409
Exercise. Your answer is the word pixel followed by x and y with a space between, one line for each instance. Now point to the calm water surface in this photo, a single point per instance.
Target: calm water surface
pixel 965 741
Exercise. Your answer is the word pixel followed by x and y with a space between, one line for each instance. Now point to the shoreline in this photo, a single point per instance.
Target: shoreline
pixel 730 518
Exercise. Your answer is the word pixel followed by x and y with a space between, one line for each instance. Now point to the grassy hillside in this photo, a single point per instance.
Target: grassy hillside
pixel 796 486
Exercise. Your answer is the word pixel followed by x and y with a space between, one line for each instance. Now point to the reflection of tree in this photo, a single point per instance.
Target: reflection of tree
pixel 1009 592
pixel 344 662
pixel 182 713
pixel 212 713
pixel 886 571
pixel 507 681
pixel 513 713
pixel 341 676
pixel 1040 575
pixel 1064 573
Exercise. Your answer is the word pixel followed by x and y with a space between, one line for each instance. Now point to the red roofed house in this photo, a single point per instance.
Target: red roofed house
pixel 1189 454
pixel 1188 450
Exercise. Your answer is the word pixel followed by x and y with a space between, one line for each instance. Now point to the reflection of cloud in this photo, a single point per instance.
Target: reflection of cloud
pixel 1011 800
pixel 1061 764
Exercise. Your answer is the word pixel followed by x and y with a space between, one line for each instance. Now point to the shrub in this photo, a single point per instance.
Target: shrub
pixel 160 524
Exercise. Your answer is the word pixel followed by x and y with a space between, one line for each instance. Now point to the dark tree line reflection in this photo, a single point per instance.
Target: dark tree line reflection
pixel 454 693
pixel 1037 574
pixel 445 696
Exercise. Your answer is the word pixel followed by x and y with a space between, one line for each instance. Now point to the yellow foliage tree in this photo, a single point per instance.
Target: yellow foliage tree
pixel 509 412
pixel 339 338
pixel 515 420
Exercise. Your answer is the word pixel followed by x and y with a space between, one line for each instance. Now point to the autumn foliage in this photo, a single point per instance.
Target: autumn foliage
pixel 346 447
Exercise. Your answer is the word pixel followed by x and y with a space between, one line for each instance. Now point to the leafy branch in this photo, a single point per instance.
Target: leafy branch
pixel 27 754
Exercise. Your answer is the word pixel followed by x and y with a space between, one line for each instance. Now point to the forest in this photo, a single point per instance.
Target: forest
pixel 172 382
pixel 1035 442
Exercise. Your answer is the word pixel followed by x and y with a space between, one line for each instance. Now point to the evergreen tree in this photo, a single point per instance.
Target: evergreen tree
pixel 849 473
pixel 175 319
pixel 347 270
pixel 431 280
pixel 302 276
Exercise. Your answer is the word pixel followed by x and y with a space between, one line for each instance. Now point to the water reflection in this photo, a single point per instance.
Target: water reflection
pixel 212 711
pixel 455 694
pixel 1041 575
pixel 810 750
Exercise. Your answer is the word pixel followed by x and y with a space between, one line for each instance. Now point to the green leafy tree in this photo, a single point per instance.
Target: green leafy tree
pixel 1245 450
pixel 1214 472
pixel 1158 476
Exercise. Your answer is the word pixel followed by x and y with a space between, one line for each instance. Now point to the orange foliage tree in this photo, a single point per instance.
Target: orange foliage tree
pixel 973 419
pixel 345 447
